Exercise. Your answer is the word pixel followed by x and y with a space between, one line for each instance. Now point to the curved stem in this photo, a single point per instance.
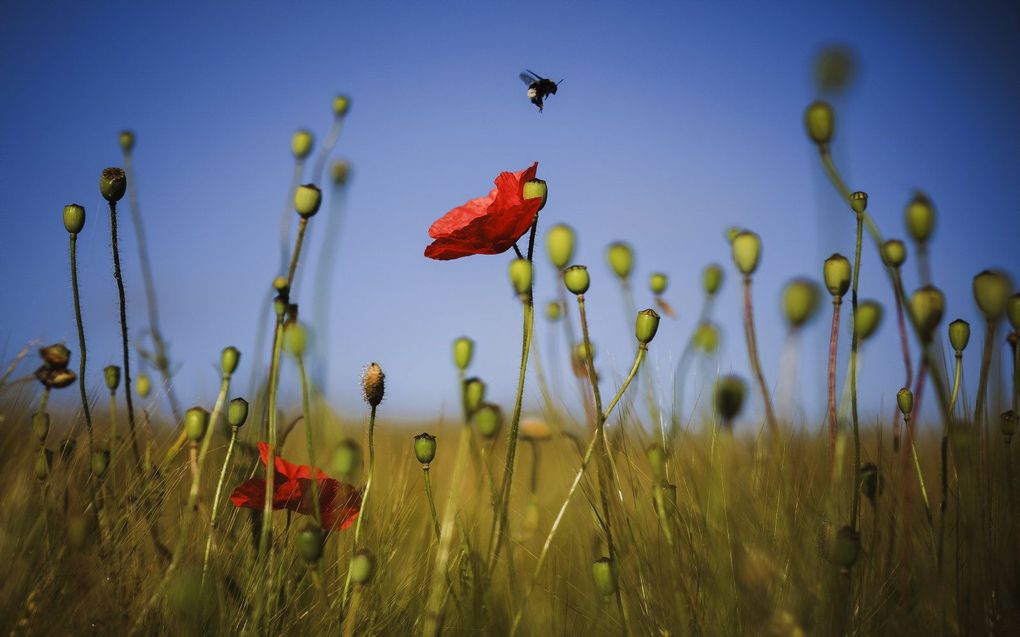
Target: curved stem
pixel 123 332
pixel 957 374
pixel 274 378
pixel 302 226
pixel 986 361
pixel 216 500
pixel 214 418
pixel 905 346
pixel 752 352
pixel 364 504
pixel 81 342
pixel 432 503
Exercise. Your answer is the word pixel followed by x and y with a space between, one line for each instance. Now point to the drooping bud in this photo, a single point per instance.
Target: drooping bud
pixel 746 252
pixel 920 217
pixel 41 425
pixel 520 276
pixel 489 419
pixel 307 199
pixel 1008 423
pixel 229 358
pixel 1013 311
pixel 310 543
pixel 341 104
pixel 646 326
pixel 894 253
pixel 657 461
pixel 373 384
pixel 576 279
pixel 237 412
pixel 553 311
pixel 301 144
pixel 800 301
pixel 111 374
pixel 867 318
pixel 535 188
pixel 196 420
pixel 859 202
pixel 463 351
pixel 959 335
pixel 621 259
pixel 127 140
pixel 991 292
pixel 143 386
pixel 711 278
pixel 927 305
pixel 845 548
pixel 112 184
pixel 905 401
pixel 657 283
pixel 74 218
pixel 474 393
pixel 362 567
pixel 820 121
pixel 603 572
pixel 729 397
pixel 836 273
pixel 559 243
pixel 346 458
pixel 706 337
pixel 295 339
pixel 425 448
pixel 55 356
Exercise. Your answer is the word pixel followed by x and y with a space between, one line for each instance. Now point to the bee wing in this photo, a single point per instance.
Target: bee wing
pixel 529 78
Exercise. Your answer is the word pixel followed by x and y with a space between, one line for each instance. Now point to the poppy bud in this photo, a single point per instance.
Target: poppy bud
pixel 143 386
pixel 1008 423
pixel 535 188
pixel 746 252
pixel 894 253
pixel 127 140
pixel 800 301
pixel 905 401
pixel 583 352
pixel 603 571
pixel 346 458
pixel 920 217
pixel 991 291
pixel 362 567
pixel 74 218
pixel 43 464
pixel 112 184
pixel 845 548
pixel 554 311
pixel 111 374
pixel 474 393
pixel 729 397
pixel 959 335
pixel 295 339
pixel 520 276
pixel 836 272
pixel 310 543
pixel 559 243
pixel 657 283
pixel 576 279
pixel 711 278
pixel 229 358
pixel 425 448
pixel 820 121
pixel 657 461
pixel 927 305
pixel 1013 311
pixel 196 420
pixel 41 425
pixel 706 337
pixel 100 462
pixel 56 356
pixel 871 481
pixel 341 104
pixel 646 326
pixel 867 318
pixel 463 351
pixel 301 144
pixel 340 171
pixel 307 199
pixel 237 412
pixel 489 419
pixel 373 384
pixel 859 202
pixel 621 259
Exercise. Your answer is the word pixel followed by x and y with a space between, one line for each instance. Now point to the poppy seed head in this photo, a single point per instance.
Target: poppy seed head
pixel 373 384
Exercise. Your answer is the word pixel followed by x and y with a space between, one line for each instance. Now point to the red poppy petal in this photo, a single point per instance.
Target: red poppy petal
pixel 461 216
pixel 445 249
pixel 250 494
pixel 510 187
pixel 341 504
pixel 264 453
pixel 288 495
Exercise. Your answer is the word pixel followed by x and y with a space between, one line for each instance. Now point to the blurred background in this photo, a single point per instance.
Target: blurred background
pixel 675 121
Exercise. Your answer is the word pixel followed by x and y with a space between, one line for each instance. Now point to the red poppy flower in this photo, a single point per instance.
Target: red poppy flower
pixel 489 224
pixel 339 502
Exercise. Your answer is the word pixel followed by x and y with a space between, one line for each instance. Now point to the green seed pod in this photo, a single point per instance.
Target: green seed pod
pixel 43 464
pixel 310 542
pixel 520 276
pixel 341 104
pixel 746 252
pixel 340 171
pixel 307 199
pixel 657 461
pixel 1013 311
pixel 820 120
pixel 871 481
pixel 474 393
pixel 100 462
pixel 373 384
pixel 706 337
pixel 346 458
pixel 553 311
pixel 920 217
pixel 576 279
pixel 74 218
pixel 801 298
pixel 301 144
pixel 463 351
pixel 729 397
pixel 112 184
pixel 559 243
pixel 959 335
pixel 867 318
pixel 859 202
pixel 905 401
pixel 845 548
pixel 55 356
pixel 295 339
pixel 657 283
pixel 836 273
pixel 237 412
pixel 894 253
pixel 534 189
pixel 229 358
pixel 1007 423
pixel 196 420
pixel 991 292
pixel 621 259
pixel 111 374
pixel 603 571
pixel 143 386
pixel 646 326
pixel 41 425
pixel 362 567
pixel 711 279
pixel 489 419
pixel 127 140
pixel 927 305
pixel 425 448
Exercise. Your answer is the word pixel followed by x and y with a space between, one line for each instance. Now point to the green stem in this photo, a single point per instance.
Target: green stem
pixel 854 346
pixel 364 505
pixel 837 302
pixel 752 352
pixel 288 207
pixel 957 374
pixel 986 361
pixel 306 411
pixel 123 331
pixel 432 503
pixel 274 378
pixel 214 418
pixel 302 226
pixel 81 342
pixel 905 346
pixel 216 500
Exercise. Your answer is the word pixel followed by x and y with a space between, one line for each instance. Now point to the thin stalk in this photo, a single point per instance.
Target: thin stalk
pixel 81 342
pixel 216 500
pixel 957 374
pixel 432 503
pixel 302 226
pixel 288 204
pixel 905 346
pixel 752 352
pixel 833 346
pixel 214 418
pixel 123 331
pixel 306 413
pixel 854 346
pixel 986 361
pixel 364 504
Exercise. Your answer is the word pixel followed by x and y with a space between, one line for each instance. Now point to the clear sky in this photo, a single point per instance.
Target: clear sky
pixel 676 120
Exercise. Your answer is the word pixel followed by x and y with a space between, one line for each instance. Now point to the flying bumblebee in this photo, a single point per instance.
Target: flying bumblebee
pixel 539 87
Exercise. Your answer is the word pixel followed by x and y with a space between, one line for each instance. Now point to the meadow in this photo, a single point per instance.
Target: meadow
pixel 633 514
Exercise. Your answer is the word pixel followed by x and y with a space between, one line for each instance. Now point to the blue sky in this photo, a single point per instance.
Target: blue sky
pixel 676 120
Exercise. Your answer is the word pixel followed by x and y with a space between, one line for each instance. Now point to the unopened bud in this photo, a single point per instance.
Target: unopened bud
pixel 463 351
pixel 126 140
pixel 820 121
pixel 295 339
pixel 474 393
pixel 845 548
pixel 100 462
pixel 301 144
pixel 43 464
pixel 657 283
pixel 237 412
pixel 621 259
pixel 711 278
pixel 836 272
pixel 111 374
pixel 341 104
pixel 229 358
pixel 373 384
pixel 905 401
pixel 307 199
pixel 362 567
pixel 489 419
pixel 520 276
pixel 859 202
pixel 706 337
pixel 346 458
pixel 959 335
pixel 894 253
pixel 425 448
pixel 559 243
pixel 991 292
pixel 74 218
pixel 553 311
pixel 867 318
pixel 143 386
pixel 927 305
pixel 196 420
pixel 340 171
pixel 603 572
pixel 800 301
pixel 646 326
pixel 746 252
pixel 920 217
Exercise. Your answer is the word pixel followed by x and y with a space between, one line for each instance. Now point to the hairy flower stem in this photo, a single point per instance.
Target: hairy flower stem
pixel 986 361
pixel 306 412
pixel 81 343
pixel 123 332
pixel 361 514
pixel 905 346
pixel 854 346
pixel 265 544
pixel 837 302
pixel 432 502
pixel 944 458
pixel 216 500
pixel 752 352
pixel 214 418
pixel 585 460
